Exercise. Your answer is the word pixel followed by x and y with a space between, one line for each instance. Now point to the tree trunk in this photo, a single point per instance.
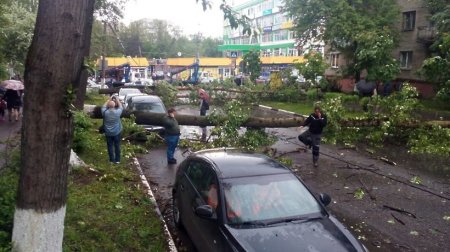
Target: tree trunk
pixel 257 122
pixel 54 63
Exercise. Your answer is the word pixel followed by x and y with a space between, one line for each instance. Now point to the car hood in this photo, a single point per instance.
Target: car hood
pixel 325 234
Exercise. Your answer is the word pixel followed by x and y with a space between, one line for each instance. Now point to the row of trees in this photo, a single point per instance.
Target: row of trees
pixel 149 38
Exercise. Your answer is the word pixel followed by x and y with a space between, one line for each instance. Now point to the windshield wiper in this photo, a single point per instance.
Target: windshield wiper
pixel 252 223
pixel 293 219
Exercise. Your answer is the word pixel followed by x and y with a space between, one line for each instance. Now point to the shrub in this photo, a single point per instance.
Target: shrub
pixel 313 94
pixel 9 181
pixel 167 93
pixel 82 125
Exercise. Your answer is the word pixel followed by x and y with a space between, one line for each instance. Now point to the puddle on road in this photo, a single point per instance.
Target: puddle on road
pixel 161 177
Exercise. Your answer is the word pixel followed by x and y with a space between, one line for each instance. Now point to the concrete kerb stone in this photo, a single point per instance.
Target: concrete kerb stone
pixel 279 110
pixel 171 243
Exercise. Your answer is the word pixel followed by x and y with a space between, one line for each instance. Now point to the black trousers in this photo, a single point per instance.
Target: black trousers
pixel 312 140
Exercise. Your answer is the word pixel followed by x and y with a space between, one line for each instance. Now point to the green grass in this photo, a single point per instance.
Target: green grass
pixel 110 211
pixel 106 211
pixel 94 98
pixel 305 108
pixel 435 105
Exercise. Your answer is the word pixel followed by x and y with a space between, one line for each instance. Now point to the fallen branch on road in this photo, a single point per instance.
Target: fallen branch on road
pixel 403 211
pixel 397 219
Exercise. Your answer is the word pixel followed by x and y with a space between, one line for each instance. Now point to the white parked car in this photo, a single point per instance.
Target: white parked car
pixel 92 84
pixel 124 91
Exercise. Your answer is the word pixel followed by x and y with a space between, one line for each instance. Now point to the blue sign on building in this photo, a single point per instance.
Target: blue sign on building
pixel 233 54
pixel 267 29
pixel 267 12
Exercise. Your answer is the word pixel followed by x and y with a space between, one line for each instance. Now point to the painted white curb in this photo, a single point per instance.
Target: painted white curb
pixel 279 110
pixel 171 243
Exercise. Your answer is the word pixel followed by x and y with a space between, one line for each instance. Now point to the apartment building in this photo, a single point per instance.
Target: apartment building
pixel 272 36
pixel 416 34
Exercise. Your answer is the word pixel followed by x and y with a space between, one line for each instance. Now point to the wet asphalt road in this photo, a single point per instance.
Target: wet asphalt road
pixel 378 228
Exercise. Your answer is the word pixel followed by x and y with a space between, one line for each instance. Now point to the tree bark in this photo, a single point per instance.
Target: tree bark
pixel 54 63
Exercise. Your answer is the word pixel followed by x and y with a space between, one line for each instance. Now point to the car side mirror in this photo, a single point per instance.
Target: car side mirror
pixel 204 211
pixel 325 199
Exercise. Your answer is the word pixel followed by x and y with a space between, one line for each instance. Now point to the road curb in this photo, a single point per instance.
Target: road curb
pixel 171 243
pixel 279 110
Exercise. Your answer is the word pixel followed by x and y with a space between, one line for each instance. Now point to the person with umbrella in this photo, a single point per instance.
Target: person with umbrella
pixel 13 97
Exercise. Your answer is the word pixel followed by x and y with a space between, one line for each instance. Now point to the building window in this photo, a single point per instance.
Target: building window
pixel 267 37
pixel 267 53
pixel 409 20
pixel 291 35
pixel 405 59
pixel 334 60
pixel 277 52
pixel 292 52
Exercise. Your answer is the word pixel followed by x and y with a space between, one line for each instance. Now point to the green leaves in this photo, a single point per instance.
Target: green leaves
pixel 252 64
pixel 361 30
pixel 359 193
pixel 416 180
pixel 17 32
pixel 313 66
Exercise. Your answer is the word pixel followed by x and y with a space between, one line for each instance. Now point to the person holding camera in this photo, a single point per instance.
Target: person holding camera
pixel 111 112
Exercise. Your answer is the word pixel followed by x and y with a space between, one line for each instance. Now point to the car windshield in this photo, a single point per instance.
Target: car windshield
pixel 148 107
pixel 263 198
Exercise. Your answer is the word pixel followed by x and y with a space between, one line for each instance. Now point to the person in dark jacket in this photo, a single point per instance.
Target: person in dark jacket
pixel 316 122
pixel 172 135
pixel 204 107
pixel 14 103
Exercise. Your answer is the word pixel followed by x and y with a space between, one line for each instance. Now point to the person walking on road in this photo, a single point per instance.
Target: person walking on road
pixel 2 108
pixel 312 138
pixel 204 107
pixel 111 111
pixel 172 135
pixel 14 103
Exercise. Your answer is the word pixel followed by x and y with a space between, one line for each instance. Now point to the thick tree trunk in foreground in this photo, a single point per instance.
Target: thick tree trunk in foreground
pixel 54 62
pixel 257 122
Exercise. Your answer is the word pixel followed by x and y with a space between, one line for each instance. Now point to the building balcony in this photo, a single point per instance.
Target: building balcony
pixel 426 34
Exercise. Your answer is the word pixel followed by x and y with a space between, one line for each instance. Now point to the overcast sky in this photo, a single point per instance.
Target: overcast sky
pixel 183 13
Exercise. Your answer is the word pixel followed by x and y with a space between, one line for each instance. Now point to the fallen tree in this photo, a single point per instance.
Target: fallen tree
pixel 256 122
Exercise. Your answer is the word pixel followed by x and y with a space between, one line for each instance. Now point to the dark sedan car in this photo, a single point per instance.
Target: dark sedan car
pixel 228 200
pixel 147 103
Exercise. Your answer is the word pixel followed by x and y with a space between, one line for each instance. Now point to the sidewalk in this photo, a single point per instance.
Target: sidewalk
pixel 8 132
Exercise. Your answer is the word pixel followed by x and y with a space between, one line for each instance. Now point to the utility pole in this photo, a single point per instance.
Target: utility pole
pixel 103 55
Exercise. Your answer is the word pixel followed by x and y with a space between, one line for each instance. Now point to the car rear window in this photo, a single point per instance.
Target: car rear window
pixel 261 198
pixel 148 107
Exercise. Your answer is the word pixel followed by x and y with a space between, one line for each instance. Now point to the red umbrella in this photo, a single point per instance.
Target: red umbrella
pixel 12 84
